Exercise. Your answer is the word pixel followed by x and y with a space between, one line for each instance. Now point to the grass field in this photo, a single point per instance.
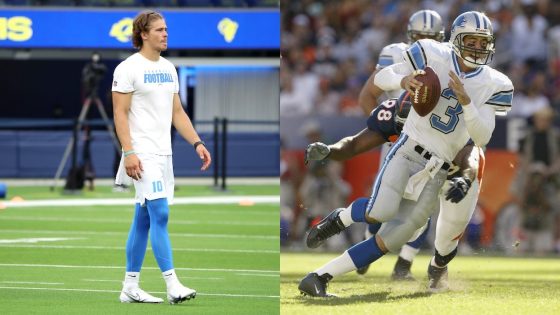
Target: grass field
pixel 70 260
pixel 478 285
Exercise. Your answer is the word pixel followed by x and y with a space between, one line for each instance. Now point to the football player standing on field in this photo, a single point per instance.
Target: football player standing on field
pixel 415 168
pixel 145 104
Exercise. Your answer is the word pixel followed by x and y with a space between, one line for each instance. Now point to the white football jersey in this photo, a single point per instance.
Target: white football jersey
pixel 443 131
pixel 389 55
pixel 153 85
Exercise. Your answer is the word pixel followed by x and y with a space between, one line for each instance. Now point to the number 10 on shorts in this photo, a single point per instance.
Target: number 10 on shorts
pixel 157 186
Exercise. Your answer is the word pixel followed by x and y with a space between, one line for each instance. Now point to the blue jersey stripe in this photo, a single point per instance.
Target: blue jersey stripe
pixel 377 184
pixel 467 75
pixel 474 73
pixel 418 56
pixel 456 64
pixel 503 92
pixel 502 99
pixel 385 61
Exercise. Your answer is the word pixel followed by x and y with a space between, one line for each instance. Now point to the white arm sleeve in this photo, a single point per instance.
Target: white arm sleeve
pixel 480 123
pixel 389 78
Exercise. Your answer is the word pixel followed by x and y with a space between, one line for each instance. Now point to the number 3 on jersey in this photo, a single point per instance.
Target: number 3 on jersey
pixel 157 186
pixel 452 112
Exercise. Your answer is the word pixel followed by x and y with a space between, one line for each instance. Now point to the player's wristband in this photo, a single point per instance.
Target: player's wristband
pixel 130 152
pixel 196 144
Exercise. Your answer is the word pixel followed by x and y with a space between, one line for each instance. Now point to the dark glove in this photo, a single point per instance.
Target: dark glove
pixel 458 190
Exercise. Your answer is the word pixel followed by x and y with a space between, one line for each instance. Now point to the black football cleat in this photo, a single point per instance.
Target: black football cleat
pixel 437 278
pixel 328 227
pixel 401 272
pixel 315 285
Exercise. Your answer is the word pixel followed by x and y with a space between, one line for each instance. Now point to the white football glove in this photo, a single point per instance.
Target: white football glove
pixel 316 151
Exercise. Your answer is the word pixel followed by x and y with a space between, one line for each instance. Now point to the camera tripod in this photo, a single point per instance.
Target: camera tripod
pixel 72 143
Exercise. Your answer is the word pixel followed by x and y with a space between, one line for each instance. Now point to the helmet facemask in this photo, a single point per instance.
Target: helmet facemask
pixel 472 56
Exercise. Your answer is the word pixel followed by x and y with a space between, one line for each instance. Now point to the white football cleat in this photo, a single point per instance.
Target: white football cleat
pixel 137 295
pixel 178 293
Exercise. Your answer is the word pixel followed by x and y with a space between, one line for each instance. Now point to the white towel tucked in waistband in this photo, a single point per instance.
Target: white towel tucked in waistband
pixel 417 182
pixel 122 178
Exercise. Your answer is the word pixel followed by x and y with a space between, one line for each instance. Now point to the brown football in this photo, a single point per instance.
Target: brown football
pixel 426 97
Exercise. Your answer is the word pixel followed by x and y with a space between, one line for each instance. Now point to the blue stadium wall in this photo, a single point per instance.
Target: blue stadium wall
pixel 37 154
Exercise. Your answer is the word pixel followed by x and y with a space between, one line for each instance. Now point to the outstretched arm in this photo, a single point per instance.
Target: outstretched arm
pixel 345 148
pixel 359 143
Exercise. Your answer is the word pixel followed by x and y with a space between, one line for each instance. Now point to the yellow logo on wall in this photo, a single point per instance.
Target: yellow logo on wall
pixel 228 28
pixel 16 28
pixel 122 30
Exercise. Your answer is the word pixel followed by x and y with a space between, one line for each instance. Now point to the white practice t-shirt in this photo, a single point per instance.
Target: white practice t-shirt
pixel 153 85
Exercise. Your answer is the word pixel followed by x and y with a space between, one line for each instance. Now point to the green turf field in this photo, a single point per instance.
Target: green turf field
pixel 70 259
pixel 479 285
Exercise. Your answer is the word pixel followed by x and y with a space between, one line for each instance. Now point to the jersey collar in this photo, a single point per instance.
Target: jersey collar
pixel 462 75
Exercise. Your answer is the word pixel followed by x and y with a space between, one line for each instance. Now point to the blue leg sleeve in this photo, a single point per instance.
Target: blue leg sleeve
pixel 420 240
pixel 159 237
pixel 358 208
pixel 365 252
pixel 137 239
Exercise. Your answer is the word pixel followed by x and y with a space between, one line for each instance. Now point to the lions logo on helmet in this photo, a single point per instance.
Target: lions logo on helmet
pixel 425 24
pixel 472 23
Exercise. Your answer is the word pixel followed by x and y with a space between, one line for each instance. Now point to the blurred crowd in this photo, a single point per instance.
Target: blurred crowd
pixel 144 3
pixel 329 49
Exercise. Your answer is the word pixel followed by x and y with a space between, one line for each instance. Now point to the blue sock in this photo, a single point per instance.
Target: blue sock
pixel 159 213
pixel 365 252
pixel 420 239
pixel 358 209
pixel 374 228
pixel 137 239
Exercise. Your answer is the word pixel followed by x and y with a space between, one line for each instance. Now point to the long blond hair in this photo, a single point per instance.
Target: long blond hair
pixel 142 24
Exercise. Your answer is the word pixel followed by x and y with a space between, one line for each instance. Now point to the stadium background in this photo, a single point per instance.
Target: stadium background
pixel 330 48
pixel 45 45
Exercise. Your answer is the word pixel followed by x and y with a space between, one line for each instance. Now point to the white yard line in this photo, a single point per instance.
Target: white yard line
pixel 28 282
pixel 193 235
pixel 35 240
pixel 211 250
pixel 121 267
pixel 115 291
pixel 256 275
pixel 182 277
pixel 130 201
pixel 178 222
